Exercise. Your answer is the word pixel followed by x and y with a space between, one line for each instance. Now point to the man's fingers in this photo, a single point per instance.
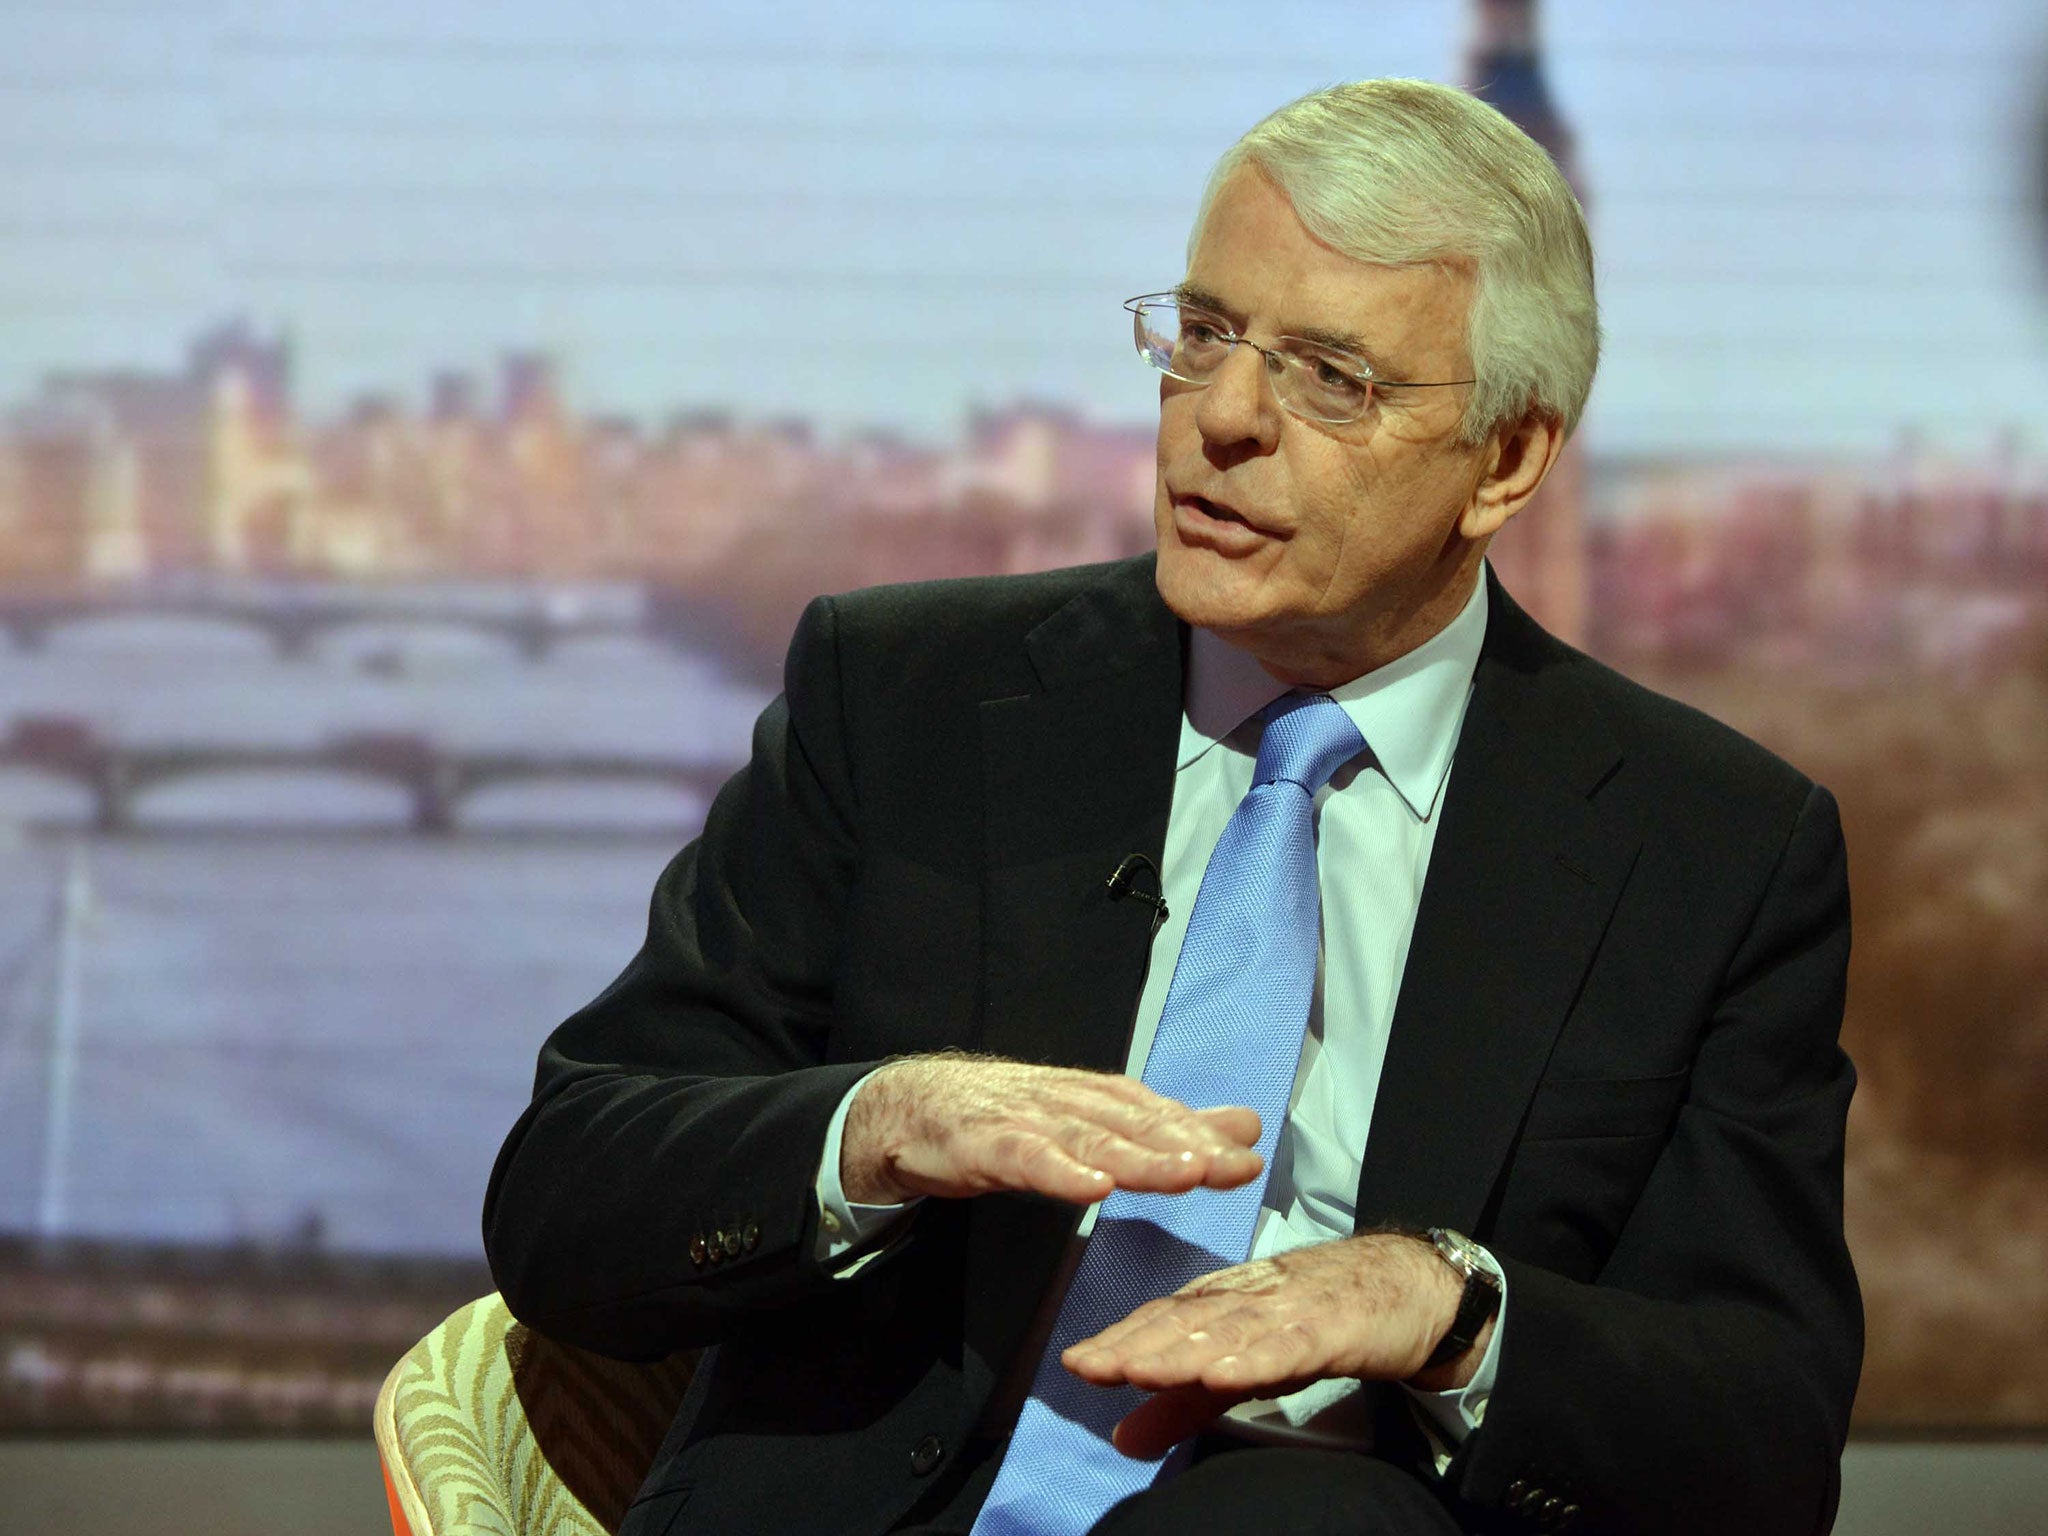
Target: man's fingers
pixel 1239 1124
pixel 1165 1419
pixel 1133 1164
pixel 1220 1139
pixel 1223 1347
pixel 1012 1160
pixel 1082 1163
pixel 1235 1337
pixel 1151 1329
pixel 1158 1121
pixel 1160 1170
pixel 1070 1162
pixel 1150 1143
pixel 1043 1166
pixel 961 1128
pixel 1287 1352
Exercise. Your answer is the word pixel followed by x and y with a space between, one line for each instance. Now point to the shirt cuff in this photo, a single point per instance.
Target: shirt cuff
pixel 848 1233
pixel 1455 1414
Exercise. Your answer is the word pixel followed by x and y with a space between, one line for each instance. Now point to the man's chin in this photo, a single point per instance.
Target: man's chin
pixel 1208 590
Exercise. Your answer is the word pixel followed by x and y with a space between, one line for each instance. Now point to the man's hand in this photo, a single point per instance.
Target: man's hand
pixel 1369 1307
pixel 967 1125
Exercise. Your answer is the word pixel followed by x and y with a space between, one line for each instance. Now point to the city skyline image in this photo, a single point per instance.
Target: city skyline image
pixel 420 431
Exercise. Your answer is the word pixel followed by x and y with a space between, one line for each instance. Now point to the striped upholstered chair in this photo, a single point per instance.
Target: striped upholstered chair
pixel 486 1428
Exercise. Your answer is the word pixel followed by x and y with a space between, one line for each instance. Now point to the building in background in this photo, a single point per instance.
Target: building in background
pixel 120 480
pixel 1541 555
pixel 111 483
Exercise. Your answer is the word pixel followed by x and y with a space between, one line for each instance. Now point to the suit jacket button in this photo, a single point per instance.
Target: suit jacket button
pixel 1567 1517
pixel 1515 1491
pixel 750 1236
pixel 1532 1501
pixel 698 1252
pixel 732 1243
pixel 925 1455
pixel 1552 1508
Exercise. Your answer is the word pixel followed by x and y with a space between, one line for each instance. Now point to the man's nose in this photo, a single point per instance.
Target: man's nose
pixel 1238 405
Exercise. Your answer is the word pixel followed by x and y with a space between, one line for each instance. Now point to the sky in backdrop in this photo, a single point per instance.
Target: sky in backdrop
pixel 1812 218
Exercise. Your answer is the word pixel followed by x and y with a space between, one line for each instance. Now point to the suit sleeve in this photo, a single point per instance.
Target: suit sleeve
pixel 657 1192
pixel 1703 1384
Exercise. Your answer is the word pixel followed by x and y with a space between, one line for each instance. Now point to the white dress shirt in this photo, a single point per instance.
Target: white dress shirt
pixel 1376 824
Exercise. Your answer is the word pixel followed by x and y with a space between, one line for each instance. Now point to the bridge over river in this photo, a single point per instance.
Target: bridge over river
pixel 294 618
pixel 437 779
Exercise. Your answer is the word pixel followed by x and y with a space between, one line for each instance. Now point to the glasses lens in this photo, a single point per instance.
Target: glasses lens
pixel 1156 325
pixel 1191 344
pixel 1315 385
pixel 1187 343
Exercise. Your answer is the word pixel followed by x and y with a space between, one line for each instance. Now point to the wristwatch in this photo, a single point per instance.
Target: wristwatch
pixel 1480 1300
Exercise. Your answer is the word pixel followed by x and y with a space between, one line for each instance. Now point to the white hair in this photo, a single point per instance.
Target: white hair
pixel 1410 173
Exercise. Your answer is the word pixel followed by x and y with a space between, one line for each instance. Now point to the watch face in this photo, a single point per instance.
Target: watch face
pixel 1462 1254
pixel 1456 1247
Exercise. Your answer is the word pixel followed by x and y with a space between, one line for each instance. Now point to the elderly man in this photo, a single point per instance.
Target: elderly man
pixel 1061 1079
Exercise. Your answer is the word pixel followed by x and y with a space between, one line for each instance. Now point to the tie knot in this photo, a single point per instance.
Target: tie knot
pixel 1307 738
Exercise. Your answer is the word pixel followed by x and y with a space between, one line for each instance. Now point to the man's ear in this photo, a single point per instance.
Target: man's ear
pixel 1522 456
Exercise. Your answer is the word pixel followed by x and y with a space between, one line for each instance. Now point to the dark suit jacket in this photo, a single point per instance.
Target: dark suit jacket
pixel 1613 1061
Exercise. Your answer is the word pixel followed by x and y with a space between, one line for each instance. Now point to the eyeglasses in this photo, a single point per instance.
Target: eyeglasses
pixel 1314 381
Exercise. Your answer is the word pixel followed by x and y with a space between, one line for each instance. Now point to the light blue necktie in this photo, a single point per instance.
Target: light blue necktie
pixel 1230 1033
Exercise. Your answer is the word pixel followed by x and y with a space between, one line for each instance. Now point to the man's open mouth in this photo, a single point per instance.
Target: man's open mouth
pixel 1215 509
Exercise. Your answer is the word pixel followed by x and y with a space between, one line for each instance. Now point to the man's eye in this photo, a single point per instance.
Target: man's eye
pixel 1200 333
pixel 1330 376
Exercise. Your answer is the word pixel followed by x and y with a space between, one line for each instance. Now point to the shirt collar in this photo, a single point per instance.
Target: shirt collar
pixel 1408 711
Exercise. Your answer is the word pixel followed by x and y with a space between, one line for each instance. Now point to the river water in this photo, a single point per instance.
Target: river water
pixel 291 1016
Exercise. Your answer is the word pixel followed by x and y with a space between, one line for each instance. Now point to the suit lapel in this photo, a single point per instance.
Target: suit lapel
pixel 1523 877
pixel 1078 776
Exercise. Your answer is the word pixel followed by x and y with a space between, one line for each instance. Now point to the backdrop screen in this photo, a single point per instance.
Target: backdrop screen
pixel 419 427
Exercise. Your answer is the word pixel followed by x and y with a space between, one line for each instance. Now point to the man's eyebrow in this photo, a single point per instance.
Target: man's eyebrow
pixel 1322 336
pixel 1341 341
pixel 1202 298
